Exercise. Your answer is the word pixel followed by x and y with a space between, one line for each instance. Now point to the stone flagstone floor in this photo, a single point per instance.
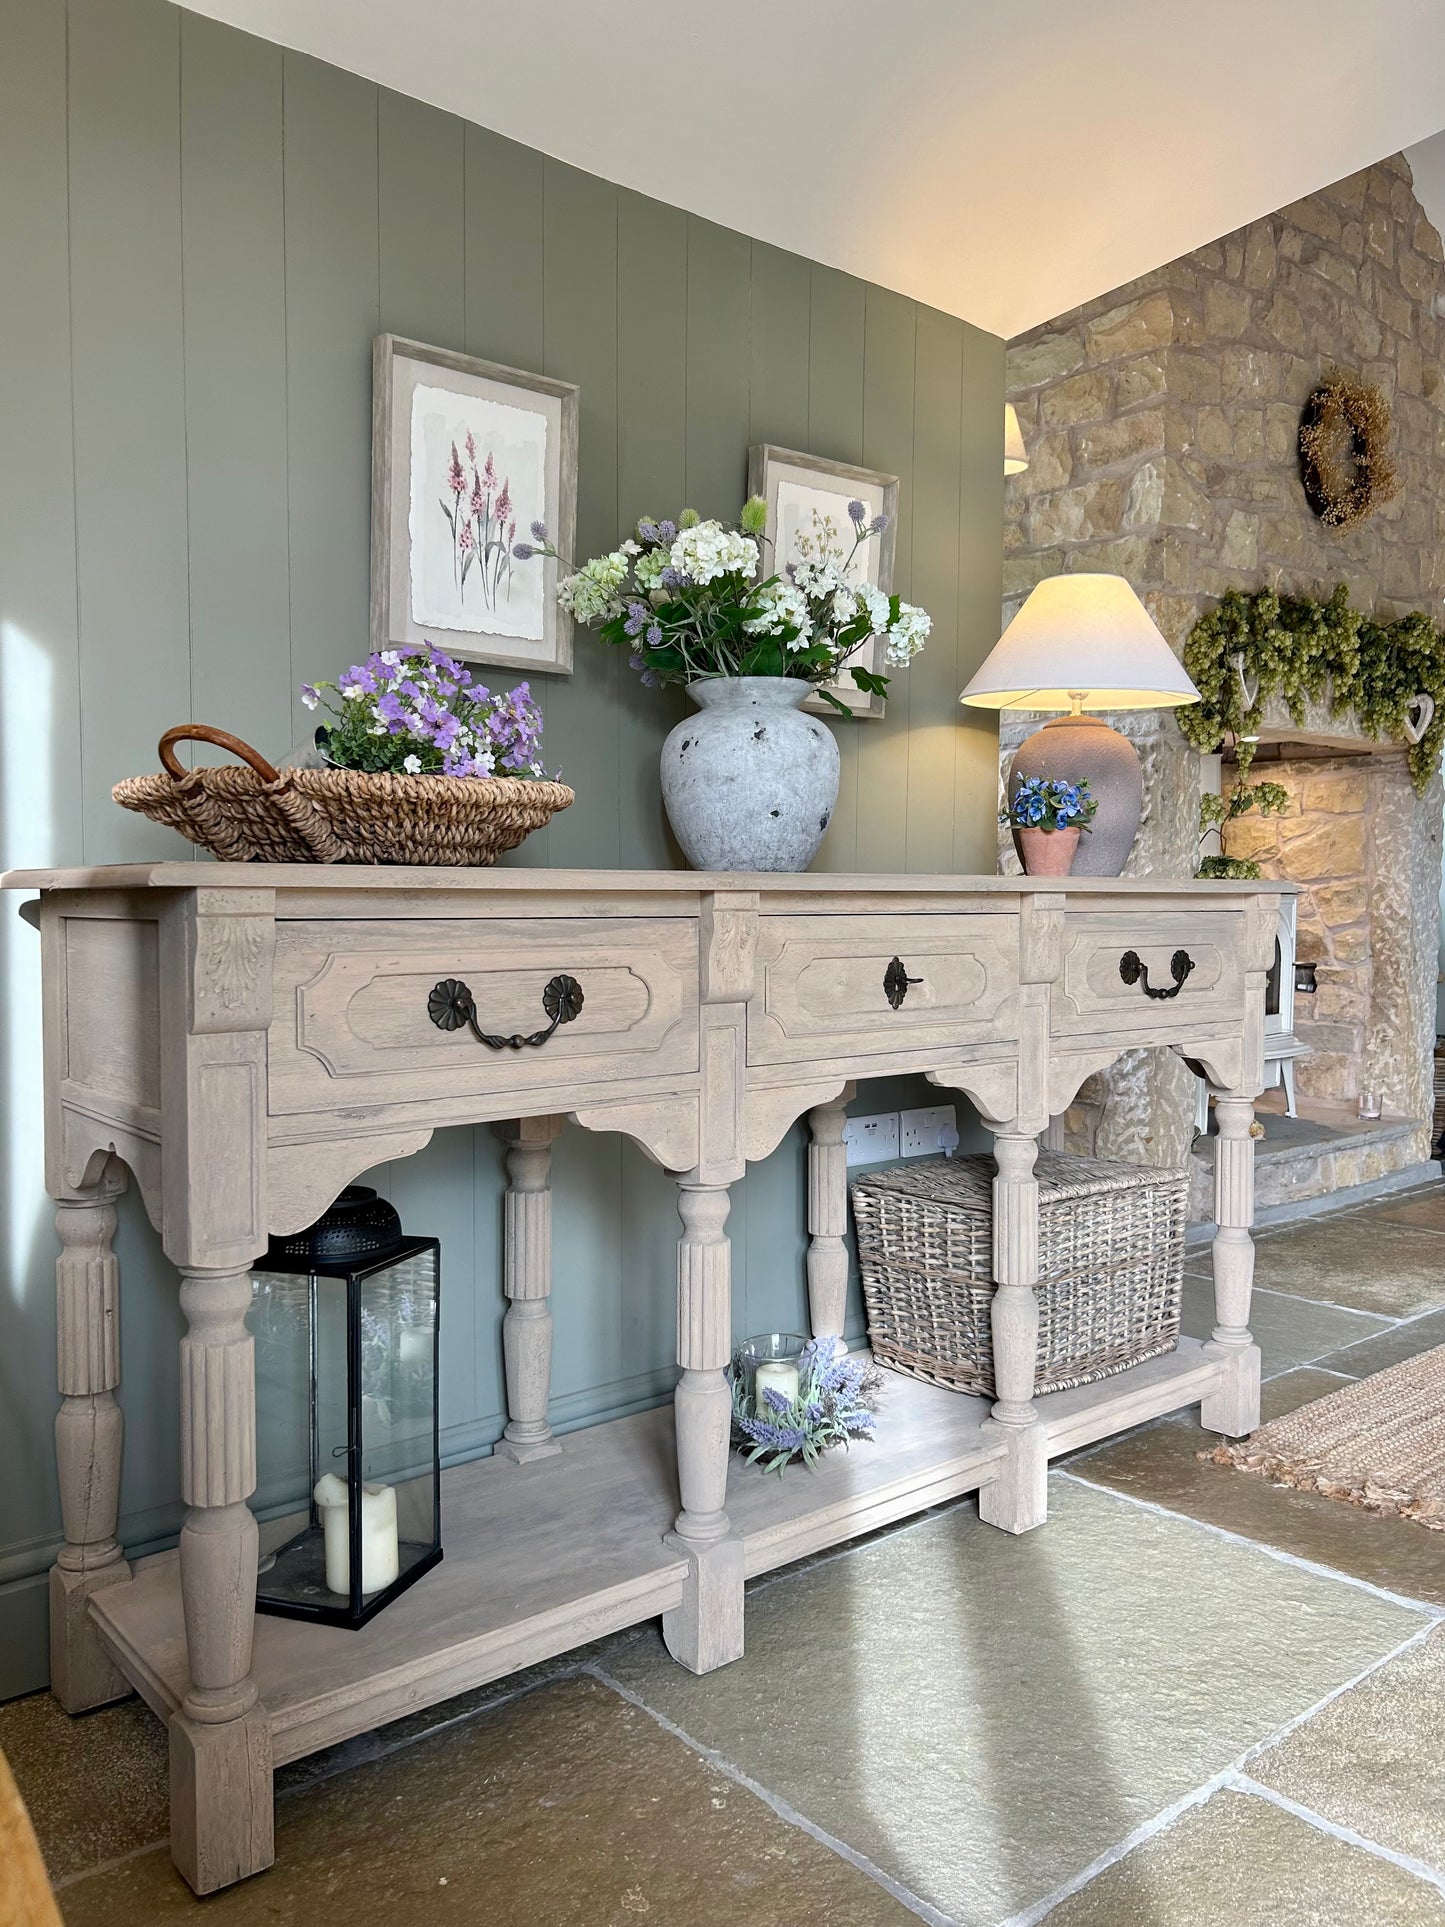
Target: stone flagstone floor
pixel 1191 1698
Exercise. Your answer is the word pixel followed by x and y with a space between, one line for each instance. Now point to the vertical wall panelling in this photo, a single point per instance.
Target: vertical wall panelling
pixel 503 214
pixel 503 249
pixel 422 232
pixel 782 287
pixel 203 233
pixel 580 321
pixel 40 814
pixel 651 480
pixel 933 682
pixel 234 279
pixel 980 592
pixel 718 269
pixel 127 383
pixel 836 334
pixel 332 313
pixel 436 1196
pixel 889 404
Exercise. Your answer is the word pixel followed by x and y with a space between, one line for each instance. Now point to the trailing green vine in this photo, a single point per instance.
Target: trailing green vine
pixel 1270 799
pixel 1304 651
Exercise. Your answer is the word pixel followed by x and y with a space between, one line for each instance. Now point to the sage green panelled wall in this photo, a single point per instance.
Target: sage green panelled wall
pixel 200 235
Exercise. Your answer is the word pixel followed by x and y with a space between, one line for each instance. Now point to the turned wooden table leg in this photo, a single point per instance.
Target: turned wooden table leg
pixel 88 1432
pixel 1016 1499
pixel 828 1217
pixel 527 1282
pixel 1233 1407
pixel 706 1630
pixel 221 1827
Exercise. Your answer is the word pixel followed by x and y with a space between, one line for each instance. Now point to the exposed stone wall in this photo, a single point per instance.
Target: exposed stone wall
pixel 1162 423
pixel 1162 420
pixel 1366 853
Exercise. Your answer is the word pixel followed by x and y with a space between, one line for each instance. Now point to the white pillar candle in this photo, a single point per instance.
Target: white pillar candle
pixel 416 1346
pixel 380 1546
pixel 778 1375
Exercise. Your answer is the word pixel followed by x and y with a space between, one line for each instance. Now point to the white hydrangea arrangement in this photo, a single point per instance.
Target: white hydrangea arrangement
pixel 685 599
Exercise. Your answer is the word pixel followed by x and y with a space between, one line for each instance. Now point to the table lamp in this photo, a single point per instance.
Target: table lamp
pixel 1084 642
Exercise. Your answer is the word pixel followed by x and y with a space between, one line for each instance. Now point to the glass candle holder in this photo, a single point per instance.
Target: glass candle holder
pixel 770 1361
pixel 1369 1104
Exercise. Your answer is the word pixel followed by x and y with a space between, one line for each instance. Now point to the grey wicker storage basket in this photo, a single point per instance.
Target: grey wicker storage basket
pixel 1111 1262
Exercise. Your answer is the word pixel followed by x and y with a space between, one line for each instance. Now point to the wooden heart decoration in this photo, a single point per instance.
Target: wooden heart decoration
pixel 1419 714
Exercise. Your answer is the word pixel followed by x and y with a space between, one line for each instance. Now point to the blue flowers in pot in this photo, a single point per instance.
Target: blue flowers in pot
pixel 1048 814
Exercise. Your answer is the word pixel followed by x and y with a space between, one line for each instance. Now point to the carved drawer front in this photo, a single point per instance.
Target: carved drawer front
pixel 879 984
pixel 352 1023
pixel 1149 973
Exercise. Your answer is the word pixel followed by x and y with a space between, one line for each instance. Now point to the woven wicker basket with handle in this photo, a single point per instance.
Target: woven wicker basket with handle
pixel 257 814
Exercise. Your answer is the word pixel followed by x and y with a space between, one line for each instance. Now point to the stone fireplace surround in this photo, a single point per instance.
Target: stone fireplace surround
pixel 1366 852
pixel 1161 423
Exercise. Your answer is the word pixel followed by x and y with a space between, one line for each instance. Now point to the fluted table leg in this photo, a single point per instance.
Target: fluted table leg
pixel 828 1217
pixel 221 1827
pixel 1016 1499
pixel 88 1431
pixel 706 1630
pixel 1233 1408
pixel 527 1282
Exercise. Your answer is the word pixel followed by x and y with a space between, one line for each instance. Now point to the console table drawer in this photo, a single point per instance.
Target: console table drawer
pixel 351 1025
pixel 820 984
pixel 1094 994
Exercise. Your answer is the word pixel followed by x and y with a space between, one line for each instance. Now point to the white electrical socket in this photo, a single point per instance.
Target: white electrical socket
pixel 919 1130
pixel 871 1140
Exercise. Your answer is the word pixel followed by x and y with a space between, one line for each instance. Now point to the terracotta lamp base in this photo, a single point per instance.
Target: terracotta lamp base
pixel 1085 749
pixel 1047 853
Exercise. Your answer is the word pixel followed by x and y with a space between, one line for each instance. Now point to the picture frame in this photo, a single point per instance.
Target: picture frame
pixel 465 455
pixel 796 485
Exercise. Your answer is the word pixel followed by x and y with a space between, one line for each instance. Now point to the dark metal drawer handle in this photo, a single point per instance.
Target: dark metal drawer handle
pixel 1133 971
pixel 896 981
pixel 451 1005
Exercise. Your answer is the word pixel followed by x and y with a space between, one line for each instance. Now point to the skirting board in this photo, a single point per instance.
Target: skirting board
pixel 1295 1209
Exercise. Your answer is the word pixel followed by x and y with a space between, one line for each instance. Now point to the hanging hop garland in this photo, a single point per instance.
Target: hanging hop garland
pixel 1344 449
pixel 1306 651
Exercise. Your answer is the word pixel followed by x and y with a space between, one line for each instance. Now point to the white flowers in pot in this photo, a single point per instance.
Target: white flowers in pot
pixel 688 600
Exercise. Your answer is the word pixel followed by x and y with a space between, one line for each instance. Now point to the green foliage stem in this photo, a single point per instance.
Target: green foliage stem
pixel 1306 651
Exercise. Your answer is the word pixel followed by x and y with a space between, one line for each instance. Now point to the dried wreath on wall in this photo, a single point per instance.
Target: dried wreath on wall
pixel 1344 451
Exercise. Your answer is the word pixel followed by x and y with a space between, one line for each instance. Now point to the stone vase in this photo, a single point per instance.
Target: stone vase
pixel 749 783
pixel 1086 749
pixel 1047 853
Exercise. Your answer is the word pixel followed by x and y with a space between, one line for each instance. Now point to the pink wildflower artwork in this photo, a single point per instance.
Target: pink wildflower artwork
pixel 483 524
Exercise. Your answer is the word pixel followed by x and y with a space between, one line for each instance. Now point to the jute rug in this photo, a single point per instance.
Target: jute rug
pixel 1378 1443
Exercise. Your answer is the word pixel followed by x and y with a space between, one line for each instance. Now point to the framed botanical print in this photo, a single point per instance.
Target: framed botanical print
pixel 807 498
pixel 466 456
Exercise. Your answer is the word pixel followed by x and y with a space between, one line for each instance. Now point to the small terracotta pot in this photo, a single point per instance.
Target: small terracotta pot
pixel 1047 853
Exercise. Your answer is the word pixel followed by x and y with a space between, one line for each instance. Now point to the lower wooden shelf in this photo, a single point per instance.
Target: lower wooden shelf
pixel 542 1557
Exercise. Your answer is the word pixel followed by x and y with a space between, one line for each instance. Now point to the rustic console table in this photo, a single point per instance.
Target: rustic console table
pixel 246 1039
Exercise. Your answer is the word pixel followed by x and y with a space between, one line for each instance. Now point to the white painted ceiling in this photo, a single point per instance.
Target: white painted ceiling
pixel 1001 159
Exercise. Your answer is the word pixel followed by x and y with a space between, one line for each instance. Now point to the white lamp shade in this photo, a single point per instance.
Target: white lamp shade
pixel 1015 455
pixel 1085 637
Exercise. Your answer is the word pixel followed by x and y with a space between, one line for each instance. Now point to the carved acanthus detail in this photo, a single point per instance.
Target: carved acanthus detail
pixel 231 971
pixel 729 938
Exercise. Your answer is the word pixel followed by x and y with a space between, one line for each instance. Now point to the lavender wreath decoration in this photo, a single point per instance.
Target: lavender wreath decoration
pixel 837 1401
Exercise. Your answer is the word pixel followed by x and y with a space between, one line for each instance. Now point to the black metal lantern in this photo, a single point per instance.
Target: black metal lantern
pixel 344 1317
